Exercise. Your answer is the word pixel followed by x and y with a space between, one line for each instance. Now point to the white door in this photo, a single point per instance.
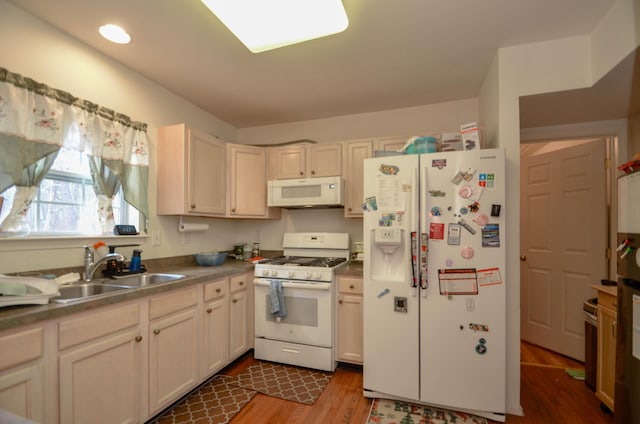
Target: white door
pixel 563 226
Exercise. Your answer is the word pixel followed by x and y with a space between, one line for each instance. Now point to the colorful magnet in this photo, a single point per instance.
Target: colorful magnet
pixel 474 207
pixel 466 226
pixel 467 252
pixel 478 327
pixel 495 210
pixel 436 211
pixel 481 219
pixel 481 349
pixel 464 210
pixel 448 262
pixel 389 169
pixel 465 192
pixel 383 292
pixel 437 193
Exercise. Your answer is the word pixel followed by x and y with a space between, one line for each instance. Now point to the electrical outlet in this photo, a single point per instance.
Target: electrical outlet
pixel 155 238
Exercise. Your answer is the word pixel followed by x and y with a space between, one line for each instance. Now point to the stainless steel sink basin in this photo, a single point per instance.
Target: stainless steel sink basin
pixel 147 279
pixel 74 292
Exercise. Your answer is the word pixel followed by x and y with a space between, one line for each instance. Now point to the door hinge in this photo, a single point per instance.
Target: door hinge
pixel 608 252
pixel 607 164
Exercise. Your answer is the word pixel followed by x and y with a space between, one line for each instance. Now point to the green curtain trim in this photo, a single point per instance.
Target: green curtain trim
pixel 67 98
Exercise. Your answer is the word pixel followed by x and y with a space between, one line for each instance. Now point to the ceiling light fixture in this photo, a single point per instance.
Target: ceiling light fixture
pixel 115 34
pixel 269 24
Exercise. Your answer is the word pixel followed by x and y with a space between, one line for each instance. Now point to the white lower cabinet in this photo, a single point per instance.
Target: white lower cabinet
pixel 174 341
pixel 349 343
pixel 100 365
pixel 240 314
pixel 22 373
pixel 215 351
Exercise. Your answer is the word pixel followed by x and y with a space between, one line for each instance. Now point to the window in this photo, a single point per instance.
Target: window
pixel 66 203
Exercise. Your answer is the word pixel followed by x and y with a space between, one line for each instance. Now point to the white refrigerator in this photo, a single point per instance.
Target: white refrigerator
pixel 434 288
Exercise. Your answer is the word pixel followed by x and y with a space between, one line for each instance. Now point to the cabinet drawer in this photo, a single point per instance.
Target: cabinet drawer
pixel 350 285
pixel 215 289
pixel 170 302
pixel 98 323
pixel 607 300
pixel 240 282
pixel 20 347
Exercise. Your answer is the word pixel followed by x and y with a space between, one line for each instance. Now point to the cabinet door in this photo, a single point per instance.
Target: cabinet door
pixel 289 162
pixel 247 181
pixel 391 143
pixel 206 174
pixel 325 160
pixel 606 369
pixel 355 154
pixel 350 322
pixel 173 357
pixel 240 315
pixel 21 392
pixel 215 350
pixel 100 381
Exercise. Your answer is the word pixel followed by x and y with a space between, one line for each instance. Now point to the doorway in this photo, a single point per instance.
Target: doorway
pixel 564 229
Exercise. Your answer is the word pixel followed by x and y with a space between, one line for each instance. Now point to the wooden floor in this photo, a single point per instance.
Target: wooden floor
pixel 548 395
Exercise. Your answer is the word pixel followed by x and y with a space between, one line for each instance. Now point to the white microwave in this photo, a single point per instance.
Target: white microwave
pixel 325 192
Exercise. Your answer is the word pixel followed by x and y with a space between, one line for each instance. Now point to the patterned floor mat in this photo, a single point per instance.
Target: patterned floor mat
pixel 216 402
pixel 385 411
pixel 287 382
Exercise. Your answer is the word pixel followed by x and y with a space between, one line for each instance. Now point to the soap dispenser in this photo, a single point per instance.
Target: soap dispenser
pixel 135 265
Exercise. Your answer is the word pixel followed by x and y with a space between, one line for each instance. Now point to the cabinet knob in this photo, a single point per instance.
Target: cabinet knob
pixel 235 300
pixel 233 210
pixel 349 209
pixel 193 206
pixel 523 258
pixel 340 301
pixel 138 339
pixel 156 331
pixel 241 283
pixel 313 172
pixel 351 286
pixel 209 310
pixel 218 290
pixel 301 173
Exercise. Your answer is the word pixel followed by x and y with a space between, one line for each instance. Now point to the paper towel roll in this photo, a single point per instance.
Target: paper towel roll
pixel 190 228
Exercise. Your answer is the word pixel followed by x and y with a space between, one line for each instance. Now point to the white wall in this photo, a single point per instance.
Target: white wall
pixel 556 65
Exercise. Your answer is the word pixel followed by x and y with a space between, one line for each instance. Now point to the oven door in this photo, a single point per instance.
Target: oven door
pixel 309 307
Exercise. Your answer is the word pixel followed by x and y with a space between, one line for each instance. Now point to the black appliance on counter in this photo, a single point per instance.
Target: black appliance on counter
pixel 627 387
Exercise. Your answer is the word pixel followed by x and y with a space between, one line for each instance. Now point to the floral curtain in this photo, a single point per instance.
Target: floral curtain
pixel 36 120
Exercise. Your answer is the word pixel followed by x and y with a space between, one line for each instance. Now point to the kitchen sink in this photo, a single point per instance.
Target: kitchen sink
pixel 148 279
pixel 74 292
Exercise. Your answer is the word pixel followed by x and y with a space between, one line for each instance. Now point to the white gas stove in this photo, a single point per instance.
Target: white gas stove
pixel 301 330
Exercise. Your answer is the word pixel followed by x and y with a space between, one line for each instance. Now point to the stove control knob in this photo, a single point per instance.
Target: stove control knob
pixel 290 274
pixel 317 276
pixel 265 272
pixel 309 276
pixel 274 273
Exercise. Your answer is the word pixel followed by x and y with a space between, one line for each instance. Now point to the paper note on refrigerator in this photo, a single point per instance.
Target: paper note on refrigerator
pixel 390 197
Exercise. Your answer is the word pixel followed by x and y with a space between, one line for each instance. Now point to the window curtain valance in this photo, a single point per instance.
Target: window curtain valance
pixel 37 120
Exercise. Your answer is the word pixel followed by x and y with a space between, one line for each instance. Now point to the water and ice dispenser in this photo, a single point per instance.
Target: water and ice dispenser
pixel 388 254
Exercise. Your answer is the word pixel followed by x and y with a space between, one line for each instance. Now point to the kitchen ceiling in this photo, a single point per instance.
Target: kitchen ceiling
pixel 394 54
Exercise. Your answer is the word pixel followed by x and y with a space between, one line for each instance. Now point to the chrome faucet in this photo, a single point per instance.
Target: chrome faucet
pixel 90 267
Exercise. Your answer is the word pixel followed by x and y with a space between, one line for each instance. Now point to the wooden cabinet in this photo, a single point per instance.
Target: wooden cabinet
pixel 315 160
pixel 215 341
pixel 606 366
pixel 22 374
pixel 173 346
pixel 247 190
pixel 191 172
pixel 349 322
pixel 240 315
pixel 355 152
pixel 100 366
pixel 391 143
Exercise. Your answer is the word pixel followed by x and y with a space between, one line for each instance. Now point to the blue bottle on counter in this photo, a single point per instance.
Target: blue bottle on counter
pixel 134 266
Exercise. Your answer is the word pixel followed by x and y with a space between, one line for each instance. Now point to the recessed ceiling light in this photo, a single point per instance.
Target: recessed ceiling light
pixel 115 34
pixel 264 25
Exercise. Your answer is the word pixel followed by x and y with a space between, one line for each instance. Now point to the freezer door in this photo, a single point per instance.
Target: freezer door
pixel 462 317
pixel 391 315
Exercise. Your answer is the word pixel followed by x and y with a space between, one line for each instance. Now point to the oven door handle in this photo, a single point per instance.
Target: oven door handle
pixel 292 285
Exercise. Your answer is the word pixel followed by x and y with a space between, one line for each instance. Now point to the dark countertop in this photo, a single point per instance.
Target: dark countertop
pixel 352 268
pixel 15 316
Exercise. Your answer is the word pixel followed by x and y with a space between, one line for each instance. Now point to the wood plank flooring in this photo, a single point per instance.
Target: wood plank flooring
pixel 548 395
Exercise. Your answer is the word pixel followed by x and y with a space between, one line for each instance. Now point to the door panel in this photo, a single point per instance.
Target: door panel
pixel 563 238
